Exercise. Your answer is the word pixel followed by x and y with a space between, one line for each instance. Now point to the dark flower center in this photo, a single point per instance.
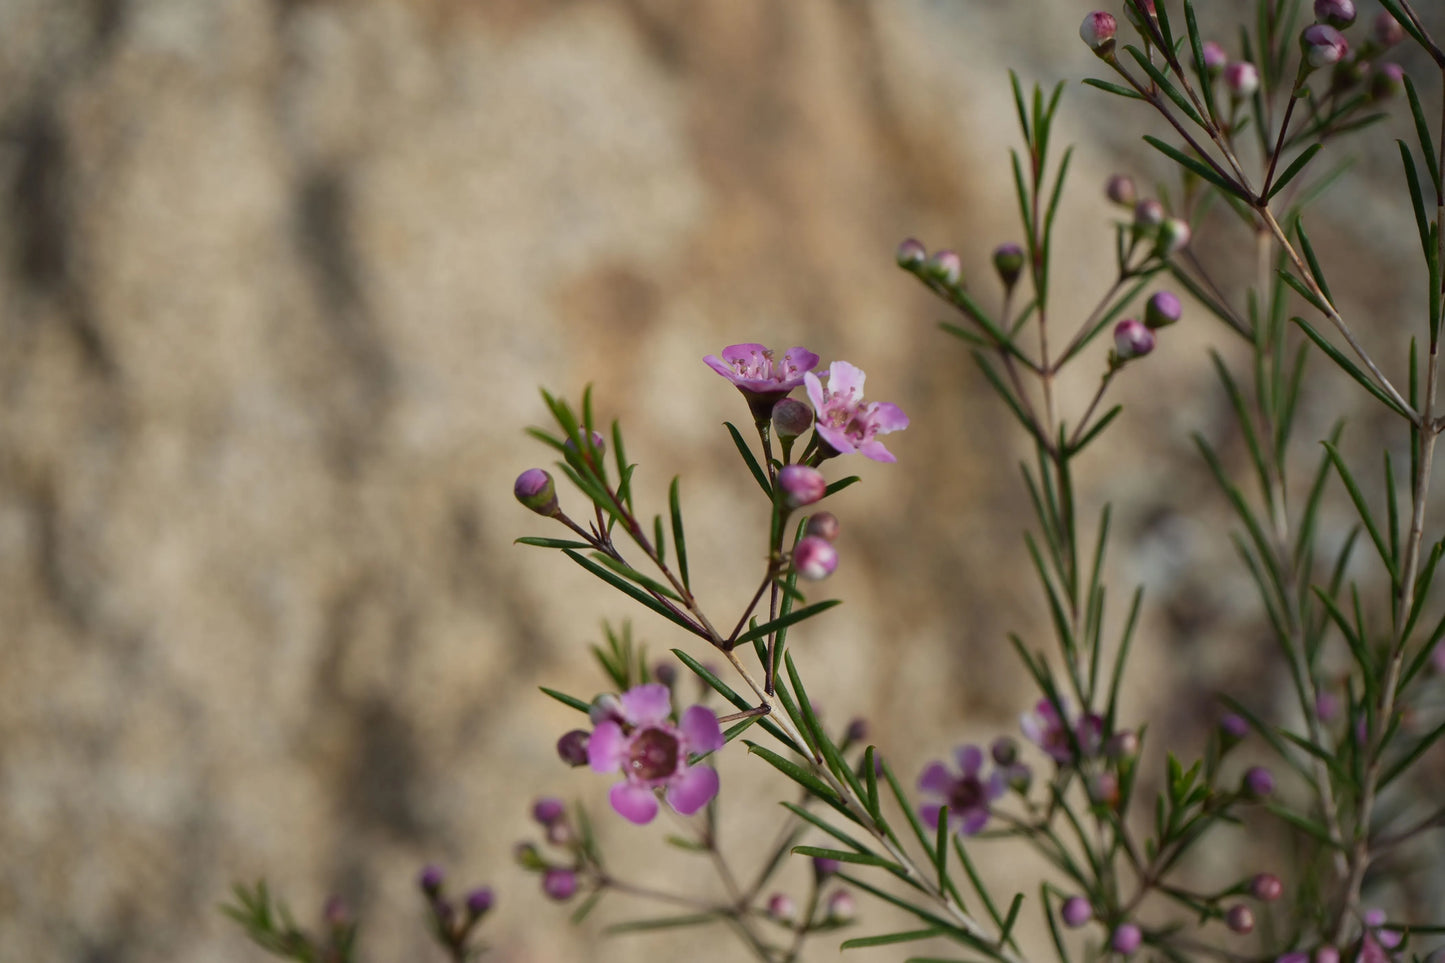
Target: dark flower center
pixel 965 794
pixel 654 754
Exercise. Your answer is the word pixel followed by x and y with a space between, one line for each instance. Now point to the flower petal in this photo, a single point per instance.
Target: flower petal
pixel 974 820
pixel 700 730
pixel 928 812
pixel 936 778
pixel 634 803
pixel 872 448
pixel 800 358
pixel 720 366
pixel 815 391
pixel 845 381
pixel 607 747
pixel 692 789
pixel 836 437
pixel 746 351
pixel 886 417
pixel 647 705
pixel 970 758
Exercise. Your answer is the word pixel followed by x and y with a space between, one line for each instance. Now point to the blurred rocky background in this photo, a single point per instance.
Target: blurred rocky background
pixel 278 282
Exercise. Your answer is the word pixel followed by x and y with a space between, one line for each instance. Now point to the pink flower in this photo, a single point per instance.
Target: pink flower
pixel 967 795
pixel 651 753
pixel 1048 730
pixel 763 380
pixel 845 421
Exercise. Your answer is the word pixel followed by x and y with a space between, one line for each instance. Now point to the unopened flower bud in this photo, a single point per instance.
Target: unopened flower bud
pixel 665 673
pixel 1387 81
pixel 559 884
pixel 815 558
pixel 1123 745
pixel 840 907
pixel 802 485
pixel 823 867
pixel 857 730
pixel 1266 887
pixel 1258 782
pixel 335 913
pixel 479 901
pixel 1241 79
pixel 560 833
pixel 1174 237
pixel 911 253
pixel 1163 309
pixel 1137 10
pixel 1148 213
pixel 792 417
pixel 1008 261
pixel 945 266
pixel 1214 58
pixel 1076 911
pixel 548 810
pixel 1104 790
pixel 535 490
pixel 605 707
pixel 444 912
pixel 430 879
pixel 572 747
pixel 1239 918
pixel 1323 45
pixel 1132 339
pixel 1327 705
pixel 824 525
pixel 599 444
pixel 1233 727
pixel 527 857
pixel 1004 750
pixel 1327 954
pixel 781 908
pixel 1098 31
pixel 1387 30
pixel 1018 777
pixel 1120 189
pixel 1126 939
pixel 1337 13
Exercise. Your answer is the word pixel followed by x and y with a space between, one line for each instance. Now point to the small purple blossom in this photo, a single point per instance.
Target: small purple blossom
pixel 559 883
pixel 1376 943
pixel 1126 939
pixel 815 558
pixel 480 900
pixel 548 810
pixel 1174 236
pixel 845 420
pixel 967 794
pixel 763 379
pixel 1327 954
pixel 802 485
pixel 823 867
pixel 1148 212
pixel 1258 782
pixel 431 879
pixel 534 489
pixel 1233 726
pixel 1076 911
pixel 1163 309
pixel 651 753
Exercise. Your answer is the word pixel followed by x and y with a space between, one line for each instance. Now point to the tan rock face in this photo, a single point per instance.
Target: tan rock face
pixel 279 281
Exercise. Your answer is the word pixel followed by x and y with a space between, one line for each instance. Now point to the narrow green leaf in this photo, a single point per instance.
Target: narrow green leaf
pixel 1164 84
pixel 1422 132
pixel 1297 165
pixel 566 700
pixel 550 542
pixel 1363 510
pixel 1303 824
pixel 1203 170
pixel 1115 89
pixel 784 620
pixel 794 772
pixel 1416 751
pixel 759 475
pixel 726 691
pixel 1417 197
pixel 844 856
pixel 627 588
pixel 1345 364
pixel 888 939
pixel 661 923
pixel 679 541
pixel 826 827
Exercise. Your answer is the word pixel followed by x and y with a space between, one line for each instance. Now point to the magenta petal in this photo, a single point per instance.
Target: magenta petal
pixel 887 417
pixel 633 803
pixel 874 449
pixel 936 779
pixel 801 358
pixel 647 705
pixel 700 731
pixel 606 747
pixel 746 351
pixel 815 391
pixel 721 367
pixel 974 820
pixel 837 438
pixel 692 789
pixel 928 812
pixel 969 759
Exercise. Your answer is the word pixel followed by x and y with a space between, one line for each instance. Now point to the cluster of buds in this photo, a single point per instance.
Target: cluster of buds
pixel 838 908
pixel 454 923
pixel 560 876
pixel 1323 44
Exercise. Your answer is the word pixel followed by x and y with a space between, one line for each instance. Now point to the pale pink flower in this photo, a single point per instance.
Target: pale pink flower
pixel 651 752
pixel 763 379
pixel 967 794
pixel 845 420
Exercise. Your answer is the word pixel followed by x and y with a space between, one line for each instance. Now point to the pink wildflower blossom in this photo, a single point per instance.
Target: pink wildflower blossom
pixel 845 420
pixel 1048 730
pixel 651 753
pixel 967 795
pixel 763 379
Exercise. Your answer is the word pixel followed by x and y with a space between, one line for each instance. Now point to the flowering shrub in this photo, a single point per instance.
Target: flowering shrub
pixel 1248 123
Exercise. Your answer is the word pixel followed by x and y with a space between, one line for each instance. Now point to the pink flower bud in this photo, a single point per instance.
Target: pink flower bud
pixel 1234 727
pixel 1148 213
pixel 1387 81
pixel 1258 782
pixel 815 558
pixel 1008 261
pixel 1337 13
pixel 1076 911
pixel 431 879
pixel 1323 45
pixel 781 908
pixel 840 907
pixel 1241 79
pixel 559 884
pixel 1120 190
pixel 548 810
pixel 535 490
pixel 1327 954
pixel 1239 918
pixel 1174 235
pixel 1214 57
pixel 791 418
pixel 1126 939
pixel 479 901
pixel 572 747
pixel 1266 887
pixel 824 867
pixel 911 253
pixel 802 485
pixel 1098 31
pixel 1162 310
pixel 824 525
pixel 1387 30
pixel 945 266
pixel 1132 339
